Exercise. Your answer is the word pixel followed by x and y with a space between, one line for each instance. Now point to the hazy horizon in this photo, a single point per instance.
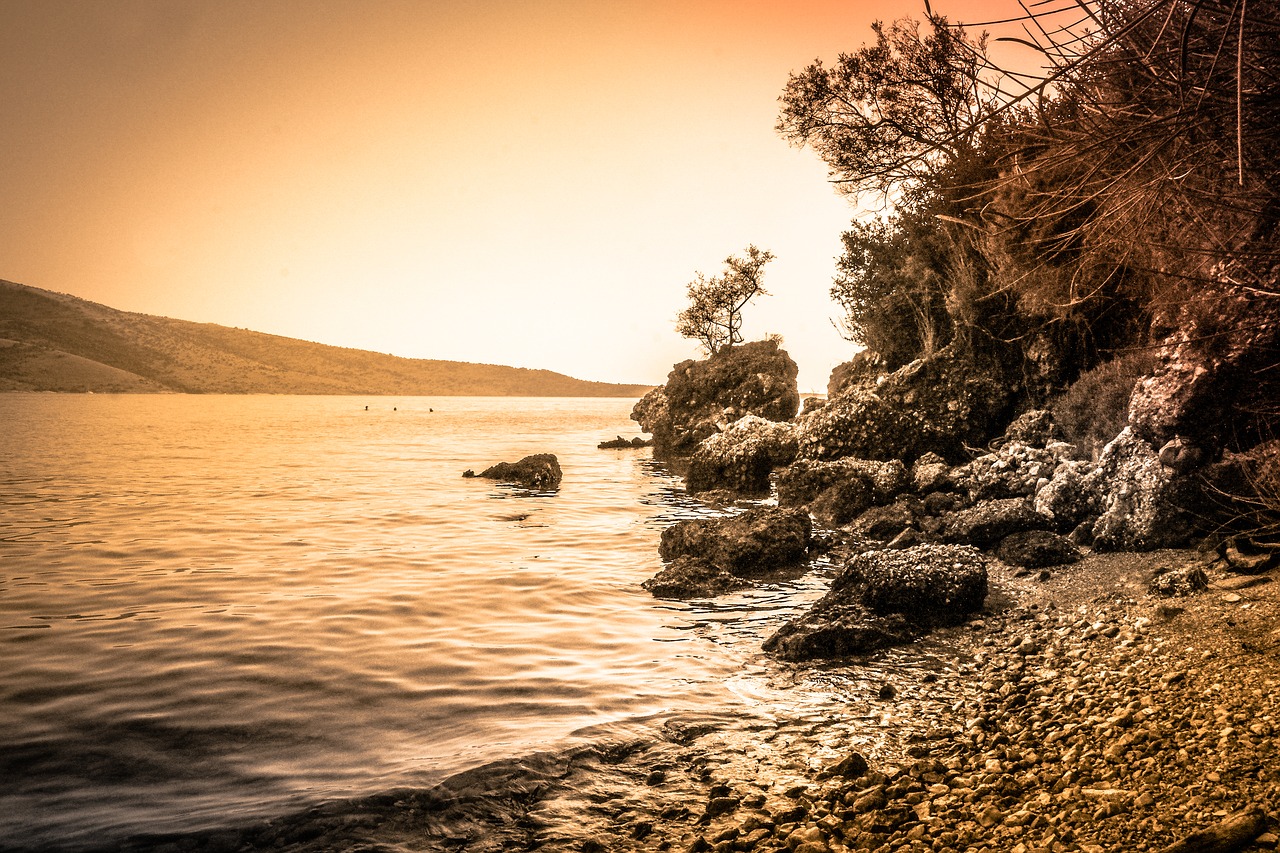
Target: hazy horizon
pixel 526 185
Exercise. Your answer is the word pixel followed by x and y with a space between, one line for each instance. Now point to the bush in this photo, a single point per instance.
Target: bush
pixel 1095 408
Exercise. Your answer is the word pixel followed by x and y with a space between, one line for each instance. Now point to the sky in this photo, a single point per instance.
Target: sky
pixel 521 182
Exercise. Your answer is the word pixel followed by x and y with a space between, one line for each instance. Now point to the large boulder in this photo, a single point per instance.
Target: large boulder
pixel 940 404
pixel 539 472
pixel 1070 496
pixel 693 577
pixel 1037 549
pixel 988 522
pixel 701 398
pixel 883 598
pixel 1138 510
pixel 839 491
pixel 753 543
pixel 1015 469
pixel 741 458
pixel 1214 382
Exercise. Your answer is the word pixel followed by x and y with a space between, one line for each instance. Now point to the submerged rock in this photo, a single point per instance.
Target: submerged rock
pixel 621 443
pixel 883 598
pixel 540 472
pixel 751 544
pixel 693 577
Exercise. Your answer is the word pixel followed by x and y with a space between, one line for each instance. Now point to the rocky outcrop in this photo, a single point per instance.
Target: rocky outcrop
pixel 621 443
pixel 741 458
pixel 1015 470
pixel 836 492
pixel 751 544
pixel 701 398
pixel 1215 372
pixel 539 472
pixel 1137 510
pixel 988 522
pixel 939 404
pixel 883 598
pixel 693 577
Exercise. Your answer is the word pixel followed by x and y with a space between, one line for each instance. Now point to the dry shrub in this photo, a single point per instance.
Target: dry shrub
pixel 1095 408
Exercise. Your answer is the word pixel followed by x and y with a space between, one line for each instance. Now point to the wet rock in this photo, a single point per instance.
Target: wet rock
pixel 693 577
pixel 742 457
pixel 990 521
pixel 701 398
pixel 1036 549
pixel 754 543
pixel 540 472
pixel 621 443
pixel 884 598
pixel 1137 511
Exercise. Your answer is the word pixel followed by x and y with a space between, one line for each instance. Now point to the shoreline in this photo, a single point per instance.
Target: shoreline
pixel 1077 713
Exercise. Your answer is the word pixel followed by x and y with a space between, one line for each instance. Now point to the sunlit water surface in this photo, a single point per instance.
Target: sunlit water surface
pixel 216 608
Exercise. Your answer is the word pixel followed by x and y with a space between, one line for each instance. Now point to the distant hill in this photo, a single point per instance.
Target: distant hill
pixel 54 342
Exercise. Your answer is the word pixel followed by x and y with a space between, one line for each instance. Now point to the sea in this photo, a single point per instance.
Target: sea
pixel 218 609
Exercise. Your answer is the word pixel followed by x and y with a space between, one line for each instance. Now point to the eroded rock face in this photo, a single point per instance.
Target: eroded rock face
pixel 741 458
pixel 701 398
pixel 540 472
pixel 748 545
pixel 883 598
pixel 1213 371
pixel 1137 513
pixel 693 577
pixel 938 404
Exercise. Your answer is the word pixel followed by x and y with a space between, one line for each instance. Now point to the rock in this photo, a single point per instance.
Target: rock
pixel 938 404
pixel 742 457
pixel 1213 373
pixel 1015 470
pixel 540 472
pixel 1246 557
pixel 1180 454
pixel 693 577
pixel 1137 511
pixel 1068 498
pixel 621 443
pixel 1037 549
pixel 1035 428
pixel 887 522
pixel 754 543
pixel 839 491
pixel 702 397
pixel 990 521
pixel 930 473
pixel 841 502
pixel 884 598
pixel 1180 582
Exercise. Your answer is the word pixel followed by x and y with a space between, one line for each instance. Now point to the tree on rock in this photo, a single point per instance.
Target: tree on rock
pixel 714 315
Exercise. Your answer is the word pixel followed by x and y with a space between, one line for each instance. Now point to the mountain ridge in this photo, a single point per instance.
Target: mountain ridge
pixel 57 342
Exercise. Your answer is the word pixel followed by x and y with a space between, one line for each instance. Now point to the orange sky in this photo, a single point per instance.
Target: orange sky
pixel 529 183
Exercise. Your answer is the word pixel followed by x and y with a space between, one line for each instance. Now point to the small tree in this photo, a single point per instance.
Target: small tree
pixel 714 315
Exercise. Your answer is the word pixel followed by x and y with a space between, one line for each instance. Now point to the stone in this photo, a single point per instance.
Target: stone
pixel 1137 512
pixel 693 577
pixel 1037 549
pixel 1069 497
pixel 753 543
pixel 701 398
pixel 930 473
pixel 990 521
pixel 1035 428
pixel 621 443
pixel 741 458
pixel 887 522
pixel 539 472
pixel 1180 582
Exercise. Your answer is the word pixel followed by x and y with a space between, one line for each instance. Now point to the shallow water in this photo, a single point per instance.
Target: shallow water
pixel 216 608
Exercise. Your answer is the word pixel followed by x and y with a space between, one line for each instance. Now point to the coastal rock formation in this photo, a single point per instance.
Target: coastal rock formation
pixel 621 443
pixel 753 543
pixel 1215 371
pixel 741 458
pixel 883 598
pixel 693 577
pixel 1070 497
pixel 540 472
pixel 930 473
pixel 841 490
pixel 938 404
pixel 1015 470
pixel 1037 549
pixel 990 521
pixel 1137 512
pixel 701 398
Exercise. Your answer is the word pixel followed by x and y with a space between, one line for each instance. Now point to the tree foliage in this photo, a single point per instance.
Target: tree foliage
pixel 714 315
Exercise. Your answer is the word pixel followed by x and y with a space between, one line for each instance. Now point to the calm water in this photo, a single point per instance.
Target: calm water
pixel 220 608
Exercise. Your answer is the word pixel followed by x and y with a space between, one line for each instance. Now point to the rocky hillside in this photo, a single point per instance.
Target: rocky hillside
pixel 54 342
